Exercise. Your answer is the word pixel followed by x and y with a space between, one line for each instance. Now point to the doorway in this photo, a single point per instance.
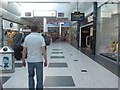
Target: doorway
pixel 86 36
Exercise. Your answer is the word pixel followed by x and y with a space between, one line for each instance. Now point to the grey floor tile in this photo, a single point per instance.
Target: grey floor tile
pixel 5 78
pixel 18 64
pixel 58 81
pixel 57 52
pixel 58 65
pixel 56 49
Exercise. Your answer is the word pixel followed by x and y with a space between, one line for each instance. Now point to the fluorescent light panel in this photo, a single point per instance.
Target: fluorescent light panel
pixel 40 13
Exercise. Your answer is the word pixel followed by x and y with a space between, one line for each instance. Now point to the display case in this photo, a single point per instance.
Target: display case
pixel 109 31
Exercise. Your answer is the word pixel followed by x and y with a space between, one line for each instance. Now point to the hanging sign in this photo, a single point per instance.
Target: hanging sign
pixel 77 16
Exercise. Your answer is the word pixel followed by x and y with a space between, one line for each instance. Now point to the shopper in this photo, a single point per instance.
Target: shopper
pixel 34 46
pixel 47 40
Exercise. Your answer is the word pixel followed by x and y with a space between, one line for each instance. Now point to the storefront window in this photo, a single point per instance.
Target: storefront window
pixel 73 35
pixel 109 31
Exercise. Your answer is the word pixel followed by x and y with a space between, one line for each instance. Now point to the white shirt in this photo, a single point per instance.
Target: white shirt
pixel 33 42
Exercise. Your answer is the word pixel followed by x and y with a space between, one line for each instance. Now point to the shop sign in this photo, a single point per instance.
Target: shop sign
pixel 6 61
pixel 77 16
pixel 44 13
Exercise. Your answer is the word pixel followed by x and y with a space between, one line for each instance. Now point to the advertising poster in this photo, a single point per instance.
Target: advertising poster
pixel 6 61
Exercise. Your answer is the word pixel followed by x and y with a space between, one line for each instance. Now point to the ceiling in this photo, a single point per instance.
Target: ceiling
pixel 60 6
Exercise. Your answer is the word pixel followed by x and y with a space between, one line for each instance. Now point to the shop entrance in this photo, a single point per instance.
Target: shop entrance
pixel 86 36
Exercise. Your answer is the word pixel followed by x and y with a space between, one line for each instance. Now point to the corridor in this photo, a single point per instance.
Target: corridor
pixel 68 69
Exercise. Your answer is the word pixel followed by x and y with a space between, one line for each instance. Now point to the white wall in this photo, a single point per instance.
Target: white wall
pixel 6 25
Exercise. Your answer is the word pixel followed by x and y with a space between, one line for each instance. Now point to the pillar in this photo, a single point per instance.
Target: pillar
pixel 94 28
pixel 45 28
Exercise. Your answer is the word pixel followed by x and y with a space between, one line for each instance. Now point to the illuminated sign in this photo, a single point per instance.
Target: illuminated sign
pixel 77 16
pixel 90 18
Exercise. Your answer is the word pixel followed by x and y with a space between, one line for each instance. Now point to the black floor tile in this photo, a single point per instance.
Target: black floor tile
pixel 58 81
pixel 18 64
pixel 57 65
pixel 5 78
pixel 75 60
pixel 83 70
pixel 57 57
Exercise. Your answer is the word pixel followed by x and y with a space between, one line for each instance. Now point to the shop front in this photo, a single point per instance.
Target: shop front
pixel 109 31
pixel 10 29
pixel 73 34
pixel 86 32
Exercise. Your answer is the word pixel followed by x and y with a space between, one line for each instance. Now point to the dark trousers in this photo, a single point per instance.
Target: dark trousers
pixel 39 75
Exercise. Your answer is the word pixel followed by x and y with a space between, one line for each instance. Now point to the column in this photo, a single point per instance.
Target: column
pixel 1 32
pixel 78 33
pixel 94 28
pixel 45 28
pixel 60 27
pixel 119 37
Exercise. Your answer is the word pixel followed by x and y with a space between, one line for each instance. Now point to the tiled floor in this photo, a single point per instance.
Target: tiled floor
pixel 81 71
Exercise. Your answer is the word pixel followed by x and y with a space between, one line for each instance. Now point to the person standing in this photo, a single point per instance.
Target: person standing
pixel 34 46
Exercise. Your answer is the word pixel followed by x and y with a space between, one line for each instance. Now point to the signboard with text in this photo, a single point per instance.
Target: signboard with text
pixel 77 16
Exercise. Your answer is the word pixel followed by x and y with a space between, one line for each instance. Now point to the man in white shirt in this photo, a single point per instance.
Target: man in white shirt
pixel 34 46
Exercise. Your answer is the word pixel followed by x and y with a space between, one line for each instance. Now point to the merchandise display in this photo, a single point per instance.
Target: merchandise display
pixel 108 45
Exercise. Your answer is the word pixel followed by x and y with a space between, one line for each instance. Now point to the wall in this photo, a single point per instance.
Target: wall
pixel 0 25
pixel 0 33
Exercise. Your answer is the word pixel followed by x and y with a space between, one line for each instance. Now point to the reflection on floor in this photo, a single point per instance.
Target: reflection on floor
pixel 69 69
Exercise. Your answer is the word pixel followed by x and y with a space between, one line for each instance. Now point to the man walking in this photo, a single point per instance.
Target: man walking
pixel 34 46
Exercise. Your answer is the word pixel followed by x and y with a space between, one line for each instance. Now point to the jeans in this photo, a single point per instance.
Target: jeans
pixel 39 75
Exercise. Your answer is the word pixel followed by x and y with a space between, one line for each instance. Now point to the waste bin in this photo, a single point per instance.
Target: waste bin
pixel 7 59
